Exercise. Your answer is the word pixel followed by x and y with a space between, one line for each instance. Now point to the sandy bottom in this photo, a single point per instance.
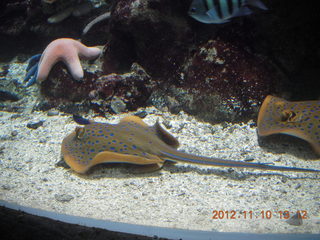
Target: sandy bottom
pixel 179 196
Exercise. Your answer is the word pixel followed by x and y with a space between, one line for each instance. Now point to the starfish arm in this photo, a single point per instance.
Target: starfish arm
pixel 87 52
pixel 74 66
pixel 67 50
pixel 31 75
pixel 47 61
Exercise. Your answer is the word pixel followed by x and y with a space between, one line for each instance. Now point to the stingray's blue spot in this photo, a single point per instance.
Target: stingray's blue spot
pixel 120 142
pixel 125 146
pixel 120 149
pixel 100 131
pixel 111 134
pixel 134 147
pixel 112 148
pixel 105 136
pixel 114 141
pixel 97 141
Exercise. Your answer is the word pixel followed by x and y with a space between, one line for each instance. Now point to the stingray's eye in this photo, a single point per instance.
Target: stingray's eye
pixel 80 132
pixel 192 10
pixel 288 116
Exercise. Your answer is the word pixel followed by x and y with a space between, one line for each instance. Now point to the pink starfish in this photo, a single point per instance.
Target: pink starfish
pixel 67 50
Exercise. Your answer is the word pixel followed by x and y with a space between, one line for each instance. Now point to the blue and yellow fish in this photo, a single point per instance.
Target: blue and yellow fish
pixel 133 141
pixel 221 11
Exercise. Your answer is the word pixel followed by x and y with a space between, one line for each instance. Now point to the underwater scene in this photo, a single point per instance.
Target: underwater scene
pixel 199 115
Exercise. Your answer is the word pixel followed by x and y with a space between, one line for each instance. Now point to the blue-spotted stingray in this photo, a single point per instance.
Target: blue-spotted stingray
pixel 299 119
pixel 133 141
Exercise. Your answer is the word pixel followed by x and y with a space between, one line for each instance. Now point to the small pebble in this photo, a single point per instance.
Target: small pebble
pixel 297 186
pixel 35 125
pixel 6 187
pixel 1 149
pixel 118 106
pixel 53 112
pixel 63 197
pixel 14 116
pixel 141 114
pixel 295 220
pixel 14 133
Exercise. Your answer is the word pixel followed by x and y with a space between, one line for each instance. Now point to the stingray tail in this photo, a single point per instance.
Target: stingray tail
pixel 188 158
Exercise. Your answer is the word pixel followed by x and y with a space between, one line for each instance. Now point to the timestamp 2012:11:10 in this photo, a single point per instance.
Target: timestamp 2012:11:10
pixel 263 214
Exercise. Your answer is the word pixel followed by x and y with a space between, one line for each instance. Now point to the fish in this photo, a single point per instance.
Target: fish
pixel 133 141
pixel 298 118
pixel 221 11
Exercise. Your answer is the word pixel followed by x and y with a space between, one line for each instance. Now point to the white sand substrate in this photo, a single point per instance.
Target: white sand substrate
pixel 179 196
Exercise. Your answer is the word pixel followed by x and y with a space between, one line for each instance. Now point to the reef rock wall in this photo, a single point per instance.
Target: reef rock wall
pixel 155 53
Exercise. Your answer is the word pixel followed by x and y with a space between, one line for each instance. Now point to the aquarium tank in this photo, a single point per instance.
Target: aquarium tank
pixel 159 119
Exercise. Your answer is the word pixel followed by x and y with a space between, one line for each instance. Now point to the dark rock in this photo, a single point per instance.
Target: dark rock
pixel 112 93
pixel 216 72
pixel 117 105
pixel 35 125
pixel 8 96
pixel 154 34
pixel 141 114
pixel 295 220
pixel 14 133
pixel 130 90
pixel 60 84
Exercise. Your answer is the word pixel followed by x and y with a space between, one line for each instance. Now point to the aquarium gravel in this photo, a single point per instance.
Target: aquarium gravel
pixel 180 195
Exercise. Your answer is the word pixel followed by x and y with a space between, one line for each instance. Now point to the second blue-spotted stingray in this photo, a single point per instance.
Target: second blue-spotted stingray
pixel 133 141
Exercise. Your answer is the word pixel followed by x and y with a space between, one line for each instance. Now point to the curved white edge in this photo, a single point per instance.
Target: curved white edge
pixel 151 231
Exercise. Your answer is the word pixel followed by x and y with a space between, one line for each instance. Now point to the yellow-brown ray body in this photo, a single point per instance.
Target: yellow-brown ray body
pixel 299 119
pixel 133 141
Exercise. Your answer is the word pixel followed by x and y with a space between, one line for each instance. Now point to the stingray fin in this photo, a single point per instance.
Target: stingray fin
pixel 113 157
pixel 165 136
